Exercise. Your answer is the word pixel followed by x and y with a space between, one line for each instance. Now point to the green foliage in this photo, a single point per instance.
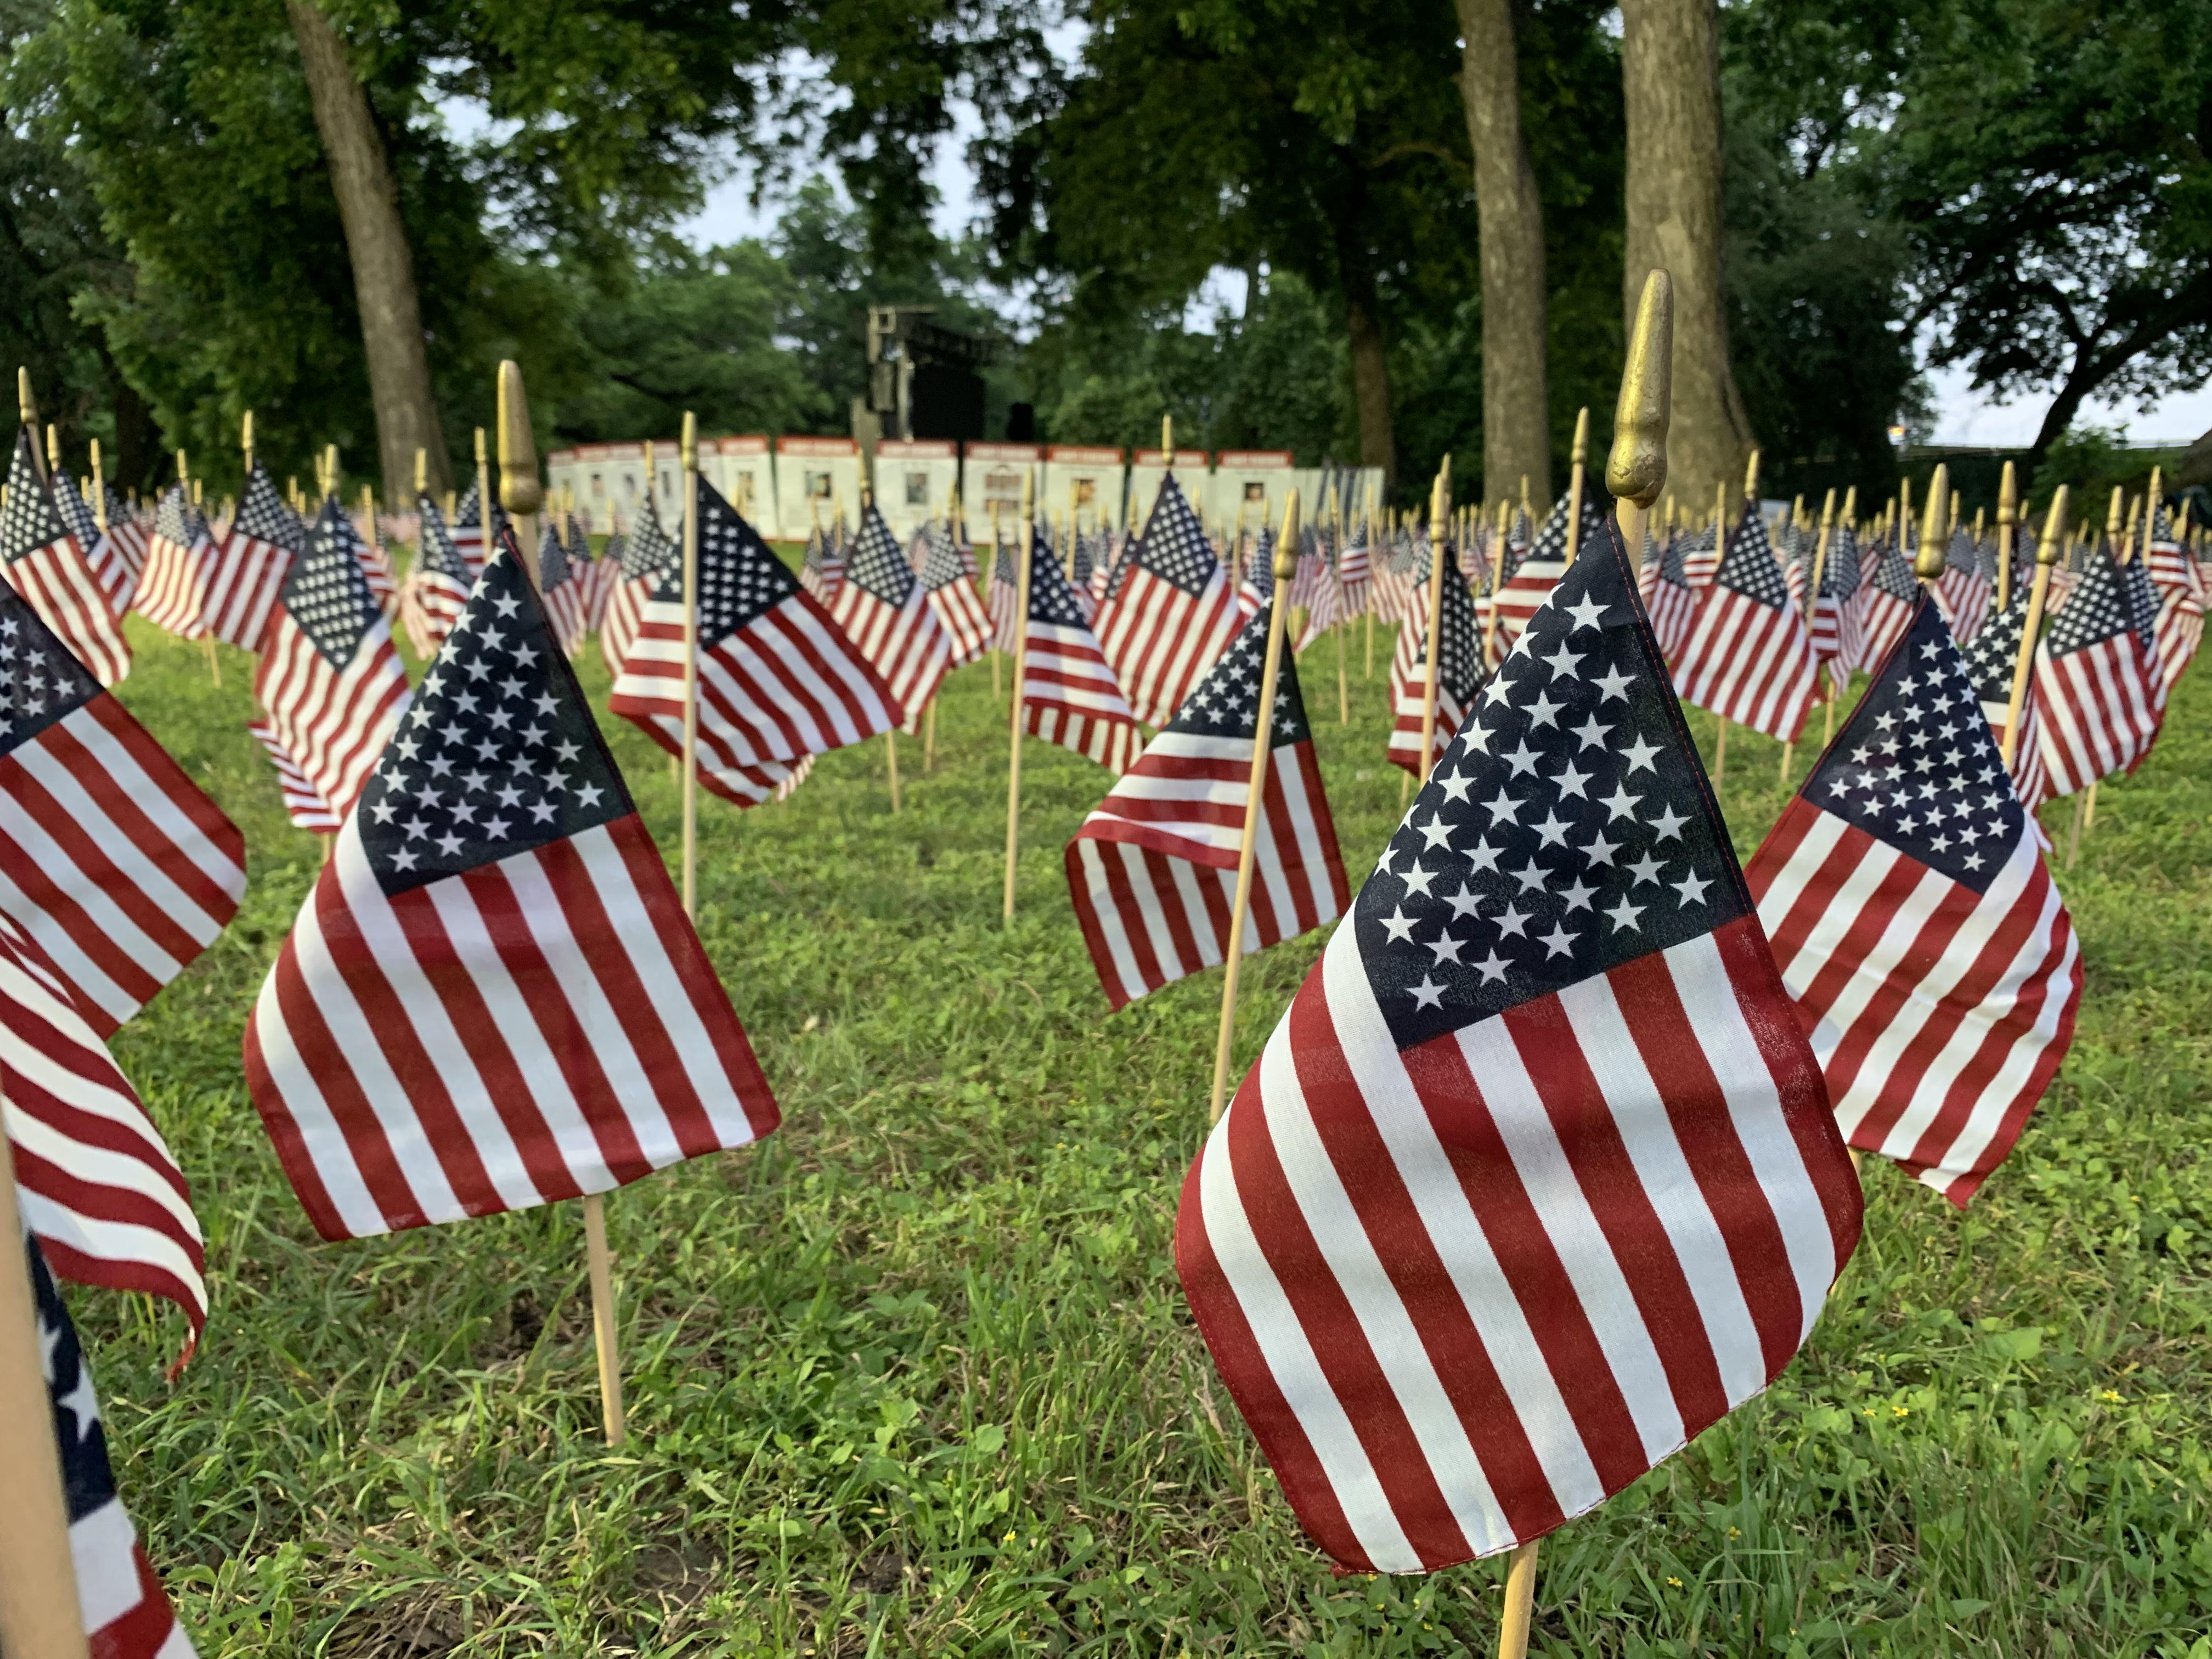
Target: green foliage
pixel 915 1376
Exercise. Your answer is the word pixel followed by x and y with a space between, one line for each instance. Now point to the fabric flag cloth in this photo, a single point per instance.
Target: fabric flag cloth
pixel 1838 625
pixel 492 999
pixel 127 1613
pixel 437 585
pixel 567 587
pixel 46 565
pixel 330 685
pixel 468 526
pixel 1460 670
pixel 1888 595
pixel 1174 612
pixel 2179 584
pixel 2097 706
pixel 99 1186
pixel 822 573
pixel 128 536
pixel 1153 869
pixel 1748 658
pixel 111 859
pixel 1317 587
pixel 303 803
pixel 1918 926
pixel 1002 597
pixel 1536 1180
pixel 648 556
pixel 172 592
pixel 951 594
pixel 1962 592
pixel 1668 598
pixel 1069 695
pixel 779 682
pixel 1354 570
pixel 1526 581
pixel 116 576
pixel 248 569
pixel 884 610
pixel 1991 661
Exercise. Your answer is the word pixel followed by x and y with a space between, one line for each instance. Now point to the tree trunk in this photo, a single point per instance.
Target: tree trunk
pixel 1363 322
pixel 1517 439
pixel 383 267
pixel 1671 77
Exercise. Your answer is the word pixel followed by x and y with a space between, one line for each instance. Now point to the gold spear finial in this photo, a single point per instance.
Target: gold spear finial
pixel 1636 470
pixel 54 448
pixel 1929 565
pixel 25 402
pixel 246 435
pixel 520 491
pixel 1751 477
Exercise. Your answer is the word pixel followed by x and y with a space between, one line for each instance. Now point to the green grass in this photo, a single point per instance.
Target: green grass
pixel 915 1375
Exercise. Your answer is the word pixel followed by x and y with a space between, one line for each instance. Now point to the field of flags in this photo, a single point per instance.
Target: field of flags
pixel 1543 1164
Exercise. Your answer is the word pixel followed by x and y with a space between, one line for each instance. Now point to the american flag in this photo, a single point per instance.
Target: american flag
pixel 1390 578
pixel 1748 658
pixel 1353 571
pixel 111 858
pixel 437 585
pixel 1668 598
pixel 779 682
pixel 99 1186
pixel 248 570
pixel 1257 584
pixel 303 803
pixel 117 578
pixel 1915 924
pixel 1002 596
pixel 647 556
pixel 1081 568
pixel 2094 684
pixel 885 612
pixel 952 595
pixel 1528 580
pixel 126 539
pixel 1460 670
pixel 46 565
pixel 329 684
pixel 492 999
pixel 1318 589
pixel 127 1613
pixel 1536 1179
pixel 2142 598
pixel 567 587
pixel 172 591
pixel 822 573
pixel 1701 557
pixel 1069 695
pixel 1838 621
pixel 2180 586
pixel 1962 592
pixel 1888 594
pixel 468 528
pixel 1991 661
pixel 596 575
pixel 1153 869
pixel 1172 615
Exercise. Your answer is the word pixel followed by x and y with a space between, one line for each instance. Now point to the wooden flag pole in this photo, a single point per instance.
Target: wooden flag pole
pixel 1812 608
pixel 40 1616
pixel 1575 488
pixel 1720 552
pixel 2007 518
pixel 2047 560
pixel 996 692
pixel 689 454
pixel 1368 673
pixel 1343 687
pixel 1839 681
pixel 1439 507
pixel 99 491
pixel 521 493
pixel 1286 565
pixel 1028 544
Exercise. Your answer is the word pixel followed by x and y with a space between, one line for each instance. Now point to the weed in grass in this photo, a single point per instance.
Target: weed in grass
pixel 914 1376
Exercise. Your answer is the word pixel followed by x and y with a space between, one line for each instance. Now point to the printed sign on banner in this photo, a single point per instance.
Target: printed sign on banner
pixel 745 471
pixel 995 472
pixel 1145 472
pixel 1084 479
pixel 914 479
pixel 1249 484
pixel 815 475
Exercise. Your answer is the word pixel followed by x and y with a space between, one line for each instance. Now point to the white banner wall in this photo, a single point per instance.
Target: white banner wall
pixel 1086 480
pixel 1145 472
pixel 915 480
pixel 745 471
pixel 815 475
pixel 995 473
pixel 1250 484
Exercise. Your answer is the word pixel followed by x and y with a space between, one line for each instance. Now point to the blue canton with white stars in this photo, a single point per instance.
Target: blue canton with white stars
pixel 1460 669
pixel 878 563
pixel 739 580
pixel 1916 766
pixel 327 593
pixel 1052 600
pixel 263 515
pixel 1174 546
pixel 434 551
pixel 1226 702
pixel 1893 574
pixel 496 754
pixel 87 1481
pixel 41 678
pixel 1992 653
pixel 2096 611
pixel 1748 566
pixel 1568 827
pixel 650 550
pixel 30 520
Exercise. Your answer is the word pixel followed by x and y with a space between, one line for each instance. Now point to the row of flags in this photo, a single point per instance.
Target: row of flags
pixel 1542 1171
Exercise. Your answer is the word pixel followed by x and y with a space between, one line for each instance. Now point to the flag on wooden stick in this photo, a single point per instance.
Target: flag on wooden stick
pixel 1153 869
pixel 1069 695
pixel 1916 924
pixel 111 859
pixel 1172 613
pixel 329 684
pixel 249 568
pixel 46 565
pixel 779 682
pixel 303 803
pixel 1748 658
pixel 1461 672
pixel 1889 594
pixel 127 1613
pixel 438 583
pixel 567 587
pixel 647 557
pixel 951 593
pixel 172 592
pixel 885 609
pixel 1536 1180
pixel 492 999
pixel 2099 709
pixel 103 553
pixel 2179 583
pixel 1990 661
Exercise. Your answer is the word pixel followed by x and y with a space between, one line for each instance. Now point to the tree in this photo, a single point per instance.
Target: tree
pixel 1516 397
pixel 1670 74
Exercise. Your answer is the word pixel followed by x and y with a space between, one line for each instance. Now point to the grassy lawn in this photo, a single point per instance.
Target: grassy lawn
pixel 914 1376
